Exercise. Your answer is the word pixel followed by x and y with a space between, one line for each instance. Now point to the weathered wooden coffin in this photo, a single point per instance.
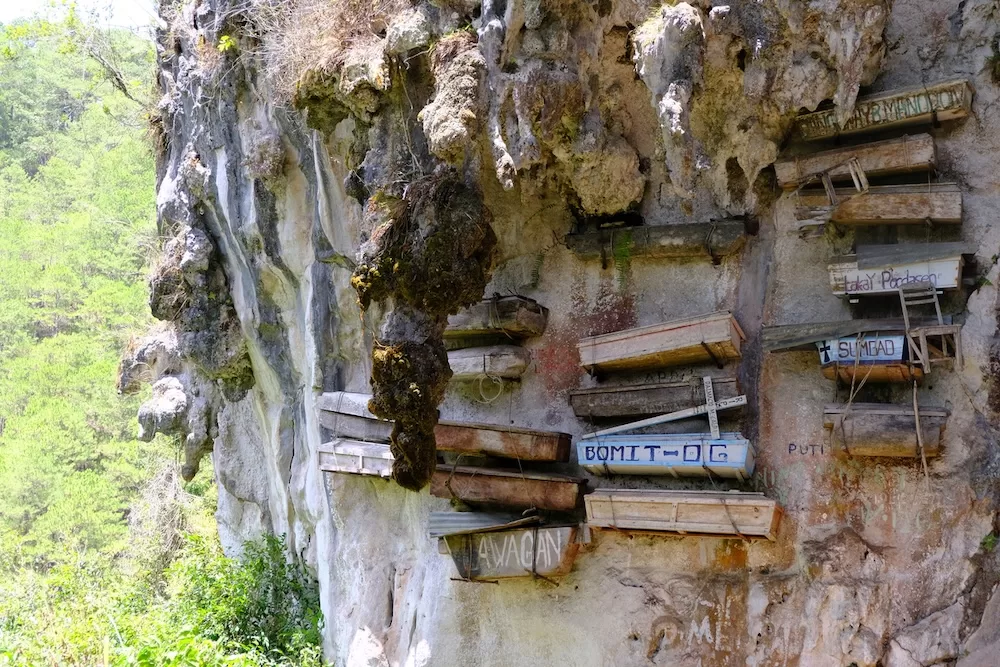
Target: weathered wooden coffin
pixel 876 356
pixel 732 514
pixel 884 269
pixel 940 203
pixel 878 429
pixel 547 551
pixel 356 457
pixel 945 100
pixel 647 399
pixel 880 158
pixel 346 414
pixel 507 487
pixel 705 240
pixel 716 337
pixel 502 361
pixel 514 316
pixel 679 455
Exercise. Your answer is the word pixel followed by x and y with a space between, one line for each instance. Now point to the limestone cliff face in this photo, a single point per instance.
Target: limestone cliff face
pixel 558 114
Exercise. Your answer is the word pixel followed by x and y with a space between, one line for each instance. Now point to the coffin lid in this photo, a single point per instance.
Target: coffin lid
pixel 444 524
pixel 502 472
pixel 787 337
pixel 877 256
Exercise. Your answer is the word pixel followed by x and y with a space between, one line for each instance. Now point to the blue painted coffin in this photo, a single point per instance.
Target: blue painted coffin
pixel 679 455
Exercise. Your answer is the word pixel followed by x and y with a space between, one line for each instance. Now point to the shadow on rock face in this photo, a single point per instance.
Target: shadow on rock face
pixel 432 254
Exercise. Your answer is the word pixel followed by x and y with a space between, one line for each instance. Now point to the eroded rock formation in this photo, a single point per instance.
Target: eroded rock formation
pixel 340 140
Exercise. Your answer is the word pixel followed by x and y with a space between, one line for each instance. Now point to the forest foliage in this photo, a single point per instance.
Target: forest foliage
pixel 104 557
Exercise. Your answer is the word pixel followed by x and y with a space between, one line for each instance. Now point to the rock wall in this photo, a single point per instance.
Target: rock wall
pixel 562 114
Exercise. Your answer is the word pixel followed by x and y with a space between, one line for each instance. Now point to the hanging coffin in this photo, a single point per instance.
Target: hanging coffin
pixel 646 399
pixel 875 356
pixel 512 488
pixel 514 316
pixel 938 203
pixel 880 158
pixel 709 338
pixel 356 458
pixel 679 455
pixel 884 269
pixel 941 101
pixel 877 429
pixel 732 514
pixel 346 414
pixel 545 551
pixel 501 361
pixel 707 240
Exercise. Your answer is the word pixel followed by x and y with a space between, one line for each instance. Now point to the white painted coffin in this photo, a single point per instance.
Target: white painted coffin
pixel 502 361
pixel 356 457
pixel 732 514
pixel 679 455
pixel 846 279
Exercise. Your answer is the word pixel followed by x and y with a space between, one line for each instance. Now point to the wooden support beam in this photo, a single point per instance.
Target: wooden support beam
pixel 880 158
pixel 733 514
pixel 877 429
pixel 939 203
pixel 680 342
pixel 503 361
pixel 706 240
pixel 511 488
pixel 514 316
pixel 647 399
pixel 945 100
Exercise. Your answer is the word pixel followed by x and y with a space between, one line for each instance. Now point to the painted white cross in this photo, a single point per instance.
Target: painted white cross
pixel 711 408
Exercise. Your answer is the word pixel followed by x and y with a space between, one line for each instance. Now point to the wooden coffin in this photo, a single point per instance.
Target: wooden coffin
pixel 878 429
pixel 678 455
pixel 884 269
pixel 880 158
pixel 346 414
pixel 502 361
pixel 945 100
pixel 547 551
pixel 356 457
pixel 875 356
pixel 444 524
pixel 716 337
pixel 704 240
pixel 732 514
pixel 514 316
pixel 940 203
pixel 647 399
pixel 507 487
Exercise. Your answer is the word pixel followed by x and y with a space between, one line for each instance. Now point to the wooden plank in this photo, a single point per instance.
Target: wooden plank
pixel 732 514
pixel 711 409
pixel 686 455
pixel 355 457
pixel 876 429
pixel 803 336
pixel 507 487
pixel 514 316
pixel 715 337
pixel 647 399
pixel 945 100
pixel 705 240
pixel 879 373
pixel 502 361
pixel 940 203
pixel 873 256
pixel 547 551
pixel 504 441
pixel 847 279
pixel 880 158
pixel 346 414
pixel 443 524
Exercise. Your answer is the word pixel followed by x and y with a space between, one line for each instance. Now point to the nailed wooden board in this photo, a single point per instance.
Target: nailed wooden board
pixel 678 455
pixel 803 336
pixel 507 487
pixel 715 337
pixel 502 361
pixel 735 514
pixel 346 414
pixel 880 158
pixel 704 240
pixel 548 551
pixel 647 399
pixel 876 429
pixel 355 457
pixel 846 278
pixel 945 100
pixel 514 316
pixel 940 203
